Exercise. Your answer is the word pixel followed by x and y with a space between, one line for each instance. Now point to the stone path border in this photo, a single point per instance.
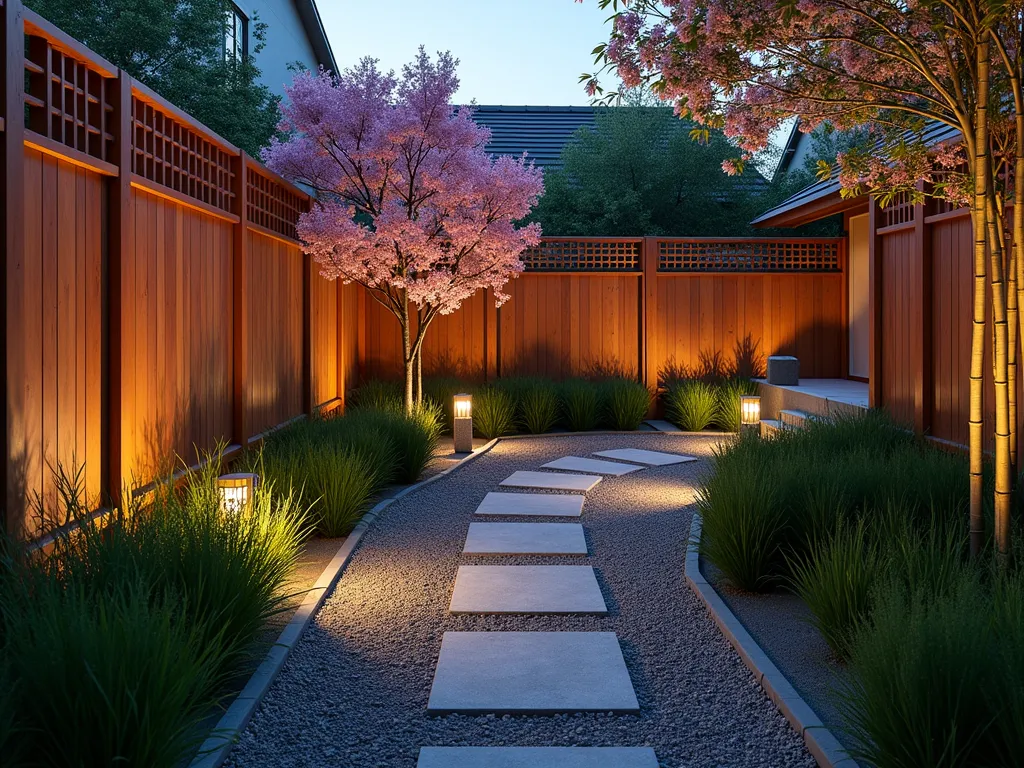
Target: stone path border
pixel 222 738
pixel 820 741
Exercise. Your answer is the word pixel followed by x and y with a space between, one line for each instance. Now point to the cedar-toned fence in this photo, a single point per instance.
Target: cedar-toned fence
pixel 643 305
pixel 156 297
pixel 157 301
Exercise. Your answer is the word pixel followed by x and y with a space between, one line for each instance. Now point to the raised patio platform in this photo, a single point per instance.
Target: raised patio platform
pixel 818 397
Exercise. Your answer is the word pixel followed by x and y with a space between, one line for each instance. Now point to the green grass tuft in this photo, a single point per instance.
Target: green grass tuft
pixel 581 405
pixel 494 412
pixel 692 405
pixel 626 402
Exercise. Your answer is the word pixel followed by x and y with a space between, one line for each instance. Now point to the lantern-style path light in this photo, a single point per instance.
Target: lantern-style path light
pixel 236 491
pixel 750 413
pixel 462 429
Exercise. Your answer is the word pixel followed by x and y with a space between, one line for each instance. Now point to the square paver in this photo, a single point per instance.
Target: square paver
pixel 525 539
pixel 640 456
pixel 526 589
pixel 537 672
pixel 579 464
pixel 537 757
pixel 534 504
pixel 557 481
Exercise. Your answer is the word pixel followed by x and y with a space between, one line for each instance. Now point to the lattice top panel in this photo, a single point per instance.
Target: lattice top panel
pixel 584 256
pixel 171 154
pixel 68 100
pixel 749 256
pixel 272 205
pixel 899 211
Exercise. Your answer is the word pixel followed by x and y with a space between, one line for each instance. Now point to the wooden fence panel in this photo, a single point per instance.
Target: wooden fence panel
pixel 55 358
pixel 900 290
pixel 324 330
pixel 176 337
pixel 275 328
pixel 776 314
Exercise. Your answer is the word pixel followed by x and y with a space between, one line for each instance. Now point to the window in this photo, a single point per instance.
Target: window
pixel 236 38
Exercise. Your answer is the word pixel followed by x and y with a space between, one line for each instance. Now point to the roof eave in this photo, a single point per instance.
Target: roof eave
pixel 314 27
pixel 818 208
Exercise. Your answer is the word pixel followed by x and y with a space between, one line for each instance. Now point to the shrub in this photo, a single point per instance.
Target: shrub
pixel 228 570
pixel 415 439
pixel 836 581
pixel 118 680
pixel 379 395
pixel 925 674
pixel 626 403
pixel 743 526
pixel 727 414
pixel 441 390
pixel 494 412
pixel 581 405
pixel 538 407
pixel 692 405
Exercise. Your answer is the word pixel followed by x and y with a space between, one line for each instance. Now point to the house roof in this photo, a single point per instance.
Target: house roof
pixel 314 28
pixel 540 132
pixel 823 198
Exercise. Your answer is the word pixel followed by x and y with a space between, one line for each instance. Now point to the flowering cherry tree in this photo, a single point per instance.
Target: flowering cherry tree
pixel 747 66
pixel 408 203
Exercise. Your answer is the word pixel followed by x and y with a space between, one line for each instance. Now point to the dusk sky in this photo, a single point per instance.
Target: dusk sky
pixel 521 52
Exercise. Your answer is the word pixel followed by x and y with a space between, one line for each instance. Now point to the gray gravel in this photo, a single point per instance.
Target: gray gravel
pixel 353 693
pixel 780 622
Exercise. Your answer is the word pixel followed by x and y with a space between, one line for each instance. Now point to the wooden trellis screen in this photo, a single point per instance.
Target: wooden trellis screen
pixel 641 305
pixel 157 300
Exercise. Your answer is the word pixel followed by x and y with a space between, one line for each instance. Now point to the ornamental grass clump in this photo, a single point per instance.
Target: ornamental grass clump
pixel 692 405
pixel 580 405
pixel 494 412
pixel 626 402
pixel 123 678
pixel 538 407
pixel 379 395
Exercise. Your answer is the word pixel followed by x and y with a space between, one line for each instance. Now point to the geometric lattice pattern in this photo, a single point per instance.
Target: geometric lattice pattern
pixel 739 255
pixel 66 100
pixel 271 205
pixel 605 255
pixel 899 211
pixel 171 154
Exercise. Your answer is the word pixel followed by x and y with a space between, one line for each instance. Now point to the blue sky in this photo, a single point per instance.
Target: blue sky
pixel 511 52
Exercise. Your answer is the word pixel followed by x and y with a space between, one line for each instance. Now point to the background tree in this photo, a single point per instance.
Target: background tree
pixel 410 205
pixel 177 49
pixel 889 68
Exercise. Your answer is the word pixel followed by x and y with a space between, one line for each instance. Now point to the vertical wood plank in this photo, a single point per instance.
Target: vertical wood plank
pixel 240 307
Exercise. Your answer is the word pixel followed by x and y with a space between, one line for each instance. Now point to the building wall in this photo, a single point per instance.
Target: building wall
pixel 286 40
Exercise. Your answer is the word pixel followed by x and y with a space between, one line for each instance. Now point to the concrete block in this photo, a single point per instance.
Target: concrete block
pixel 525 539
pixel 556 481
pixel 537 757
pixel 597 466
pixel 526 589
pixel 532 504
pixel 783 370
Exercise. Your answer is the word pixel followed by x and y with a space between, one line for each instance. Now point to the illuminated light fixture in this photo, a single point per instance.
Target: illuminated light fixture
pixel 462 429
pixel 236 491
pixel 750 412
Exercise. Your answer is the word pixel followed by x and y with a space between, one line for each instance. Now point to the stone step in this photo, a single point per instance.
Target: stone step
pixel 793 419
pixel 556 481
pixel 640 456
pixel 597 466
pixel 537 757
pixel 532 504
pixel 525 539
pixel 526 589
pixel 770 427
pixel 531 673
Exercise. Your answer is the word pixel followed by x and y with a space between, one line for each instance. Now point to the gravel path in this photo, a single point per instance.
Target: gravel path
pixel 353 693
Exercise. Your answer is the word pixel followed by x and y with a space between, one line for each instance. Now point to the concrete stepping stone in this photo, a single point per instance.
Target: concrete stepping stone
pixel 534 504
pixel 526 589
pixel 640 456
pixel 525 539
pixel 537 757
pixel 579 464
pixel 557 481
pixel 531 672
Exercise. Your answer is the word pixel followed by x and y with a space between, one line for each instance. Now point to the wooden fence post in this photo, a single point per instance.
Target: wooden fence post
pixel 119 245
pixel 875 397
pixel 240 307
pixel 922 350
pixel 12 206
pixel 648 311
pixel 308 401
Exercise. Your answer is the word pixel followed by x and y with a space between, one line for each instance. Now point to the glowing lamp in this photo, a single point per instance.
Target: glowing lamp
pixel 462 429
pixel 750 410
pixel 236 491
